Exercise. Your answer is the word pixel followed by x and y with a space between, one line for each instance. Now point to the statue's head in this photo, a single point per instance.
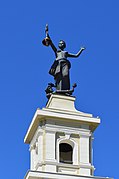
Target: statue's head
pixel 62 45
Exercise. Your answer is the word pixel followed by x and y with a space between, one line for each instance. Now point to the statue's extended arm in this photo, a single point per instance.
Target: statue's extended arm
pixel 51 44
pixel 53 47
pixel 76 55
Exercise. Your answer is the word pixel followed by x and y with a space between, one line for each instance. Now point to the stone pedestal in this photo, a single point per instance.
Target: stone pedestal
pixel 60 139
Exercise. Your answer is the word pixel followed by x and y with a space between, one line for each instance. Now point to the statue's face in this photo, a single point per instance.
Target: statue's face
pixel 62 45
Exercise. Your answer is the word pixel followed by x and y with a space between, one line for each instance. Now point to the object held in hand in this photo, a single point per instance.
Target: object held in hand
pixel 46 41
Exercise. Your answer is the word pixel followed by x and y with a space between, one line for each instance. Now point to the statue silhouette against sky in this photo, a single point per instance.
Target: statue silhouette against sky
pixel 61 66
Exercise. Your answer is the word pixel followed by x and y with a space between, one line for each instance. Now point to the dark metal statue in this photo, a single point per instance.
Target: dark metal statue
pixel 60 68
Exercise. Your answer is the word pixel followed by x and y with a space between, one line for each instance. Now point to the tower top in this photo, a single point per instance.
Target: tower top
pixel 60 139
pixel 63 108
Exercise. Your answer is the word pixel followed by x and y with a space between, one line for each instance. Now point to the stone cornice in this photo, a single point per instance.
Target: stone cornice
pixel 39 175
pixel 41 115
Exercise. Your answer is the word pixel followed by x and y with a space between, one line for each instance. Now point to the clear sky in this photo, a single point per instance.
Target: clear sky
pixel 24 66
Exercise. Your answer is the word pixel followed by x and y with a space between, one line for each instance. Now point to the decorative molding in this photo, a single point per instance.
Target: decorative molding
pixel 67 136
pixel 38 174
pixel 67 130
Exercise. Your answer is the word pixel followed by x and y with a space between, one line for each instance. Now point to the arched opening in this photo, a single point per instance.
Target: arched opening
pixel 65 153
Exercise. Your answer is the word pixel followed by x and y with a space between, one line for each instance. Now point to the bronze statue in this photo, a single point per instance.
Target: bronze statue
pixel 60 68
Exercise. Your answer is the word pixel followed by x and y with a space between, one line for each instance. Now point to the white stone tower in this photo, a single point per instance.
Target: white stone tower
pixel 60 139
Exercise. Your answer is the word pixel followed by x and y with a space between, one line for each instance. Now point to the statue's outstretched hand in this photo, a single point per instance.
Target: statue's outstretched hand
pixel 83 48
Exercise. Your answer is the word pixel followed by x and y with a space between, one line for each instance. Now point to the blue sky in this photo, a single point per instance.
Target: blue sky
pixel 24 65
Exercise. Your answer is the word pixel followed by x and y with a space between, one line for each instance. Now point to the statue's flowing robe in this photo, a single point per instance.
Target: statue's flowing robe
pixel 60 71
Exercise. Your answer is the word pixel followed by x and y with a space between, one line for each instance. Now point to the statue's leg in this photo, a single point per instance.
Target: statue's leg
pixel 65 77
pixel 62 79
pixel 58 81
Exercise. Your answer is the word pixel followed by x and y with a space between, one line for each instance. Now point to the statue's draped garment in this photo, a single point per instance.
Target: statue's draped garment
pixel 60 70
